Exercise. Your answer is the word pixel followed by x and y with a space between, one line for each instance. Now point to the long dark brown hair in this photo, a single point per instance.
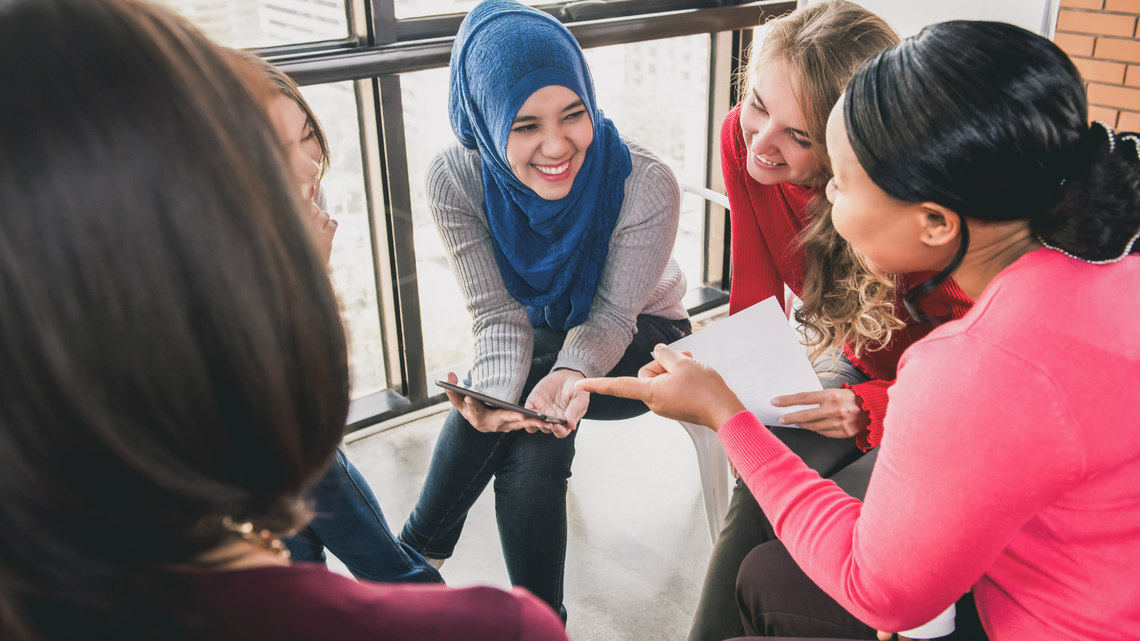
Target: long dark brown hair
pixel 170 345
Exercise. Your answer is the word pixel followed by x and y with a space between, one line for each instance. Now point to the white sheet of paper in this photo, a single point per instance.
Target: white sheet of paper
pixel 758 355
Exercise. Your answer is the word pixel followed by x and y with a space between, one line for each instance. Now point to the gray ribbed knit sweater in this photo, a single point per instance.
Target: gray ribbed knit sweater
pixel 640 276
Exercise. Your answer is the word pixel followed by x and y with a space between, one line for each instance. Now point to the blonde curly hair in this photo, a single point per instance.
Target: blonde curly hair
pixel 844 301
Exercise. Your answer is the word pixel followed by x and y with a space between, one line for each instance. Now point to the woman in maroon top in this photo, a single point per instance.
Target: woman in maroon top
pixel 175 370
pixel 775 164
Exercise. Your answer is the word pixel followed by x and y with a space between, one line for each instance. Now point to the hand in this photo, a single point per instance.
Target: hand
pixel 322 227
pixel 838 415
pixel 486 419
pixel 674 386
pixel 556 396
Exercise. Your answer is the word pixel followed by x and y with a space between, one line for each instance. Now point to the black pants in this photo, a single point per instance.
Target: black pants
pixel 745 526
pixel 777 599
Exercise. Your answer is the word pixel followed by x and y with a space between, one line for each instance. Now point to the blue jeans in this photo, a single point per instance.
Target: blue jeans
pixel 530 472
pixel 350 524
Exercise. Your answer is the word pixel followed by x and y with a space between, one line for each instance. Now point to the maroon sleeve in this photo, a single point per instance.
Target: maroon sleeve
pixel 537 622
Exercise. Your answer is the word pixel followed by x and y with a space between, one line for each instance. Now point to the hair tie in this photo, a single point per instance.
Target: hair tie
pixel 1107 132
pixel 1135 143
pixel 1086 140
pixel 1111 135
pixel 1109 261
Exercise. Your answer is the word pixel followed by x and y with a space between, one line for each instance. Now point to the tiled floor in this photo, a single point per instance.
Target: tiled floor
pixel 638 540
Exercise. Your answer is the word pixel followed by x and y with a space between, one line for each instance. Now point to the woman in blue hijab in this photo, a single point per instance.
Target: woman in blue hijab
pixel 560 233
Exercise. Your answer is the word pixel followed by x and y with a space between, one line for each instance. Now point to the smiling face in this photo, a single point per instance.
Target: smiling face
pixel 890 233
pixel 778 145
pixel 300 142
pixel 548 141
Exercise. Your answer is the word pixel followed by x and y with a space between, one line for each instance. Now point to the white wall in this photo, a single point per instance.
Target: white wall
pixel 909 16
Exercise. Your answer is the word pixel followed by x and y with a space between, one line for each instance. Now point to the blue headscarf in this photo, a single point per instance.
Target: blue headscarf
pixel 550 252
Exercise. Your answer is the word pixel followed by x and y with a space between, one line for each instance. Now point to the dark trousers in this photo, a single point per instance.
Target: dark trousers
pixel 776 599
pixel 773 597
pixel 530 472
pixel 717 616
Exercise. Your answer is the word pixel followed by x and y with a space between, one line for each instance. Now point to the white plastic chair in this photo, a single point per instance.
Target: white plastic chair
pixel 714 197
pixel 716 482
pixel 712 462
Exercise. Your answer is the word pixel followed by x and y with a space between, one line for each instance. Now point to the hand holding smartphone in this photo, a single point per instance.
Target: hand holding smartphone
pixel 491 401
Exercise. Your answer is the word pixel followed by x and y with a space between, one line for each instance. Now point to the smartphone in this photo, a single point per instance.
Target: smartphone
pixel 491 401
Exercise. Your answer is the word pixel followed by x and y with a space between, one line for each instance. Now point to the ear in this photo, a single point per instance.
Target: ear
pixel 940 226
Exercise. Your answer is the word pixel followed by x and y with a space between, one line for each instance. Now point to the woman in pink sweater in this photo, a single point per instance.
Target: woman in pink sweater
pixel 775 164
pixel 966 150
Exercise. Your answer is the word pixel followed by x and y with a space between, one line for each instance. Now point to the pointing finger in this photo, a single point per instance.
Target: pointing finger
pixel 622 386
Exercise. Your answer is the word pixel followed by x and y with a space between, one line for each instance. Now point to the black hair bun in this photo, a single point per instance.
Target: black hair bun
pixel 1097 214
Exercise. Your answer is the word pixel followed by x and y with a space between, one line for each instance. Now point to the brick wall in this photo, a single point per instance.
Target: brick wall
pixel 1103 39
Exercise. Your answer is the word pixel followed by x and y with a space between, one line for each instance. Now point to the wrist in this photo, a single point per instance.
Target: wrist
pixel 723 413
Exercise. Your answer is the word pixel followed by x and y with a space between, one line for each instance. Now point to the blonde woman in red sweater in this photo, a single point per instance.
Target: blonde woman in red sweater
pixel 775 164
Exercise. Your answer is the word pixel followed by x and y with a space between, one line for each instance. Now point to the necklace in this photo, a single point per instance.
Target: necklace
pixel 263 538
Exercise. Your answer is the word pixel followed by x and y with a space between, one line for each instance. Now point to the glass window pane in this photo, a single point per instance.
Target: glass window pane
pixel 655 92
pixel 446 322
pixel 265 23
pixel 342 189
pixel 418 8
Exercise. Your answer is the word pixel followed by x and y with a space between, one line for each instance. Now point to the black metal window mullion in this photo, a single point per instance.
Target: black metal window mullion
pixel 384 24
pixel 402 238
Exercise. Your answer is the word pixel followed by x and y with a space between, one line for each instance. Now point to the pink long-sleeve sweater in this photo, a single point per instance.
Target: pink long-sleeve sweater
pixel 1010 465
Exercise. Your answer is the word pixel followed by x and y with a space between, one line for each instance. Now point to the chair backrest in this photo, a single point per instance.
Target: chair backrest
pixel 706 193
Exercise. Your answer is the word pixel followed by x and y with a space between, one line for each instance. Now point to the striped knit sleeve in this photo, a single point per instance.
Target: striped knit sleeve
pixel 503 336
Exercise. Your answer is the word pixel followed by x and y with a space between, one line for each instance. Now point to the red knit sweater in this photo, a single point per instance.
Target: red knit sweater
pixel 765 256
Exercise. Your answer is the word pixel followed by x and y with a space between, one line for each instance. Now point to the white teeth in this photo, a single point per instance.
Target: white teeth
pixel 764 160
pixel 553 171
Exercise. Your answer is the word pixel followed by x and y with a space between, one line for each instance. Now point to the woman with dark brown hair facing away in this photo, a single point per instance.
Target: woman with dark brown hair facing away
pixel 175 371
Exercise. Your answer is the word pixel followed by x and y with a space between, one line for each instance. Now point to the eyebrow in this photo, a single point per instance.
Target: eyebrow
pixel 573 105
pixel 799 132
